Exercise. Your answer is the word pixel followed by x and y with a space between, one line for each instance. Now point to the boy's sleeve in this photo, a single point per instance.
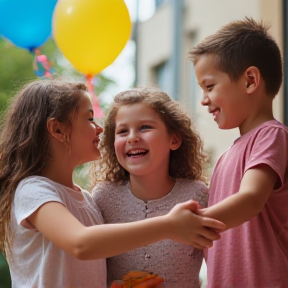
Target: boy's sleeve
pixel 270 147
pixel 29 196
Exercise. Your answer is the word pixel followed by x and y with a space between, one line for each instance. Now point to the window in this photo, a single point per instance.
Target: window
pixel 158 3
pixel 163 77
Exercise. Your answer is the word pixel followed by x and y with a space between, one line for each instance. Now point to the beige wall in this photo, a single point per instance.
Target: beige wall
pixel 155 38
pixel 201 18
pixel 271 11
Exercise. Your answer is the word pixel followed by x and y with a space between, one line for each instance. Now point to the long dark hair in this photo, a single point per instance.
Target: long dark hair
pixel 24 139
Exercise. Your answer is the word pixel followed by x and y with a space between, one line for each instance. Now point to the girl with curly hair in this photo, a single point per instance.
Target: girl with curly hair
pixel 152 159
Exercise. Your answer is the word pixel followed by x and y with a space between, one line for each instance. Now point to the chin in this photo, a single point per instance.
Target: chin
pixel 95 158
pixel 98 157
pixel 226 127
pixel 220 125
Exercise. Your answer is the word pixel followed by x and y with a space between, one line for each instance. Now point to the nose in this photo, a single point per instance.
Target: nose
pixel 205 99
pixel 132 138
pixel 99 129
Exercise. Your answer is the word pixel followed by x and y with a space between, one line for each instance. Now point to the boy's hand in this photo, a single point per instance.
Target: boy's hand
pixel 192 229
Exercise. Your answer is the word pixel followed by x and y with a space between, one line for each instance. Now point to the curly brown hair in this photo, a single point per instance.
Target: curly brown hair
pixel 24 138
pixel 188 161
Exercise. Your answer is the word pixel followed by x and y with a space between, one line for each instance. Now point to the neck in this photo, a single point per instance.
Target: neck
pixel 60 172
pixel 257 122
pixel 261 113
pixel 151 187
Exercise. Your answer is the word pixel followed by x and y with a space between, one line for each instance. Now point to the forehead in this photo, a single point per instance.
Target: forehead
pixel 206 62
pixel 84 100
pixel 206 67
pixel 84 106
pixel 136 112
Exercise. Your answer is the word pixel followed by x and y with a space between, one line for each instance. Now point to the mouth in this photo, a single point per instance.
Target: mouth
pixel 137 152
pixel 96 141
pixel 214 111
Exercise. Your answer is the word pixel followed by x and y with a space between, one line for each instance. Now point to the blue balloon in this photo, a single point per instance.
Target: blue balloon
pixel 26 23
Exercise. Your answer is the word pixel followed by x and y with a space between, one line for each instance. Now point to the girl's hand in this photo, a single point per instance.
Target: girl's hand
pixel 201 212
pixel 192 229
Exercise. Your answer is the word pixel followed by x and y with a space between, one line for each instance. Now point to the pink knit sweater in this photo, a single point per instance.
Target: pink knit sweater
pixel 178 264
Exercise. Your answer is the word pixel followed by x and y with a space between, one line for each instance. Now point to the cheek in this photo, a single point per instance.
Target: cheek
pixel 119 145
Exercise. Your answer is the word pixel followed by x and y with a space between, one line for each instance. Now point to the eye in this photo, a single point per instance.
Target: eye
pixel 209 87
pixel 91 119
pixel 120 132
pixel 146 127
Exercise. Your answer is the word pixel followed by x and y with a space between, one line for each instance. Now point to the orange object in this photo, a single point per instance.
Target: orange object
pixel 138 279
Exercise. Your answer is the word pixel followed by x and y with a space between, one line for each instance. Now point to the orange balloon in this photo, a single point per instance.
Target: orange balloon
pixel 91 33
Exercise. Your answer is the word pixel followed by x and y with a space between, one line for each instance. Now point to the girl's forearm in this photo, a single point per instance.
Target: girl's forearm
pixel 180 225
pixel 101 241
pixel 108 240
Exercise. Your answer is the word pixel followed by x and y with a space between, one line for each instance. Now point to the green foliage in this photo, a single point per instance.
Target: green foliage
pixel 81 176
pixel 16 69
pixel 5 281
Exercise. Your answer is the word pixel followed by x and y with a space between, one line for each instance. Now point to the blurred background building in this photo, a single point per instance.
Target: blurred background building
pixel 163 41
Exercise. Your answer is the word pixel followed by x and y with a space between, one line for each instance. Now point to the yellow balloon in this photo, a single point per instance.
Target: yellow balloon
pixel 91 33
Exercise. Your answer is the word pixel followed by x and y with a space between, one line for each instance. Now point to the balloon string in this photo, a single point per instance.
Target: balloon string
pixel 98 113
pixel 41 64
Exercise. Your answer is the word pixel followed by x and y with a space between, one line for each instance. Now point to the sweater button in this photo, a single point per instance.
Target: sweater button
pixel 147 256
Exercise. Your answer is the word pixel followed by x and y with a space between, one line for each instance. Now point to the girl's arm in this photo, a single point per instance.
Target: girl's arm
pixel 255 189
pixel 58 225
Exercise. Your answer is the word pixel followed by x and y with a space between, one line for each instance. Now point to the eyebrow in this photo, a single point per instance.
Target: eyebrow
pixel 207 78
pixel 141 121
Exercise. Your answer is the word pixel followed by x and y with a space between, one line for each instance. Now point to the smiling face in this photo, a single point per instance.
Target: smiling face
pixel 226 100
pixel 142 143
pixel 84 135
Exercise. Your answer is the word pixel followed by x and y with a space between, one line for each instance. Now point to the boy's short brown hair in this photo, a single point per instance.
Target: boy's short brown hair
pixel 241 44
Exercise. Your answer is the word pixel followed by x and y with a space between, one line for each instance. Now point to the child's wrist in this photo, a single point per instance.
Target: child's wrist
pixel 168 227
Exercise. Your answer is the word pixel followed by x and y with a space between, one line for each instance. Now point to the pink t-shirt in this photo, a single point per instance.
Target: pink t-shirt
pixel 254 254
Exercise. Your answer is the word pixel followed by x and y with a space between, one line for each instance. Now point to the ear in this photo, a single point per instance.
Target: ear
pixel 56 129
pixel 175 142
pixel 252 77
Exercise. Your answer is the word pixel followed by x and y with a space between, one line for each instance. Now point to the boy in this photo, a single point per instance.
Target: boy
pixel 239 69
